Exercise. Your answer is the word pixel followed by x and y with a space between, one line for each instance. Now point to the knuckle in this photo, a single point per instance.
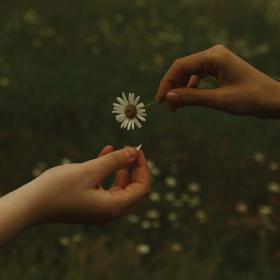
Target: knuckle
pixel 177 62
pixel 220 52
pixel 220 47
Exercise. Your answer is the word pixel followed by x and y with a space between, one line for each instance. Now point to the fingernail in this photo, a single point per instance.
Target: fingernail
pixel 131 153
pixel 172 97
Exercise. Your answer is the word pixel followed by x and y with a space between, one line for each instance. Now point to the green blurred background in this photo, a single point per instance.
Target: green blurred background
pixel 214 209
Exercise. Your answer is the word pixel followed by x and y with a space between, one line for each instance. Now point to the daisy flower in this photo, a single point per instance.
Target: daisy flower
pixel 129 111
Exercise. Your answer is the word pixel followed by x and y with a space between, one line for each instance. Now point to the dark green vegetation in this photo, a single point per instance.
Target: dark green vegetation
pixel 62 63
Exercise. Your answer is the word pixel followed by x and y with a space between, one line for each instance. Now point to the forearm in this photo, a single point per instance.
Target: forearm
pixel 15 213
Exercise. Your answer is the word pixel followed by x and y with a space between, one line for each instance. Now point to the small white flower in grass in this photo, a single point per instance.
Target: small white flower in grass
pixel 146 224
pixel 143 248
pixel 273 166
pixel 193 187
pixel 152 214
pixel 241 207
pixel 155 196
pixel 133 219
pixel 194 201
pixel 64 241
pixel 77 238
pixel 129 111
pixel 172 216
pixel 265 210
pixel 176 247
pixel 274 187
pixel 201 216
pixel 171 182
pixel 259 157
pixel 154 170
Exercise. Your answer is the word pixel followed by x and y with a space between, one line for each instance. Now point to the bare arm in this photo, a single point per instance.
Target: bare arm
pixel 73 193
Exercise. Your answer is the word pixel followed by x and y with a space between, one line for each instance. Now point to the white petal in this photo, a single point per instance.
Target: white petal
pixel 132 125
pixel 142 114
pixel 140 105
pixel 124 98
pixel 117 111
pixel 131 98
pixel 141 118
pixel 124 124
pixel 118 106
pixel 136 100
pixel 129 125
pixel 141 110
pixel 121 101
pixel 138 124
pixel 120 117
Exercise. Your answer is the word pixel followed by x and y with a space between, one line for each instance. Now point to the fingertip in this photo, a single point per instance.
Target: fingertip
pixel 106 150
pixel 109 148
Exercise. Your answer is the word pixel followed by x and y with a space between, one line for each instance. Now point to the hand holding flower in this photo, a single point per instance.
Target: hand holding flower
pixel 73 193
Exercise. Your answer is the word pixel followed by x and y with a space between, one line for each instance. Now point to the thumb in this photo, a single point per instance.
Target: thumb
pixel 110 163
pixel 185 96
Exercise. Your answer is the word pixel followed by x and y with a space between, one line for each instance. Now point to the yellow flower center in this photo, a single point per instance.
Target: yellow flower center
pixel 130 111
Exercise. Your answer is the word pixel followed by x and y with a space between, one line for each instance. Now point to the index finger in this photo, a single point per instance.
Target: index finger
pixel 179 73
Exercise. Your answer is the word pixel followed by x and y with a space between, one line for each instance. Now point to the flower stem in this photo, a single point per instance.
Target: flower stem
pixel 152 103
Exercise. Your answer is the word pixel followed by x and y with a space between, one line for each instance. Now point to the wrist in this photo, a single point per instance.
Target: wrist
pixel 276 100
pixel 20 207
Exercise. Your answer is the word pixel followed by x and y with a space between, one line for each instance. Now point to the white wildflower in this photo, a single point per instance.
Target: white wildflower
pixel 152 214
pixel 146 224
pixel 265 210
pixel 129 112
pixel 273 166
pixel 133 219
pixel 171 182
pixel 64 241
pixel 259 157
pixel 143 248
pixel 176 247
pixel 241 207
pixel 155 196
pixel 172 216
pixel 201 215
pixel 193 187
pixel 274 187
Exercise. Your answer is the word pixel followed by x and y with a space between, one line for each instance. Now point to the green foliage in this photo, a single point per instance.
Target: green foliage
pixel 62 64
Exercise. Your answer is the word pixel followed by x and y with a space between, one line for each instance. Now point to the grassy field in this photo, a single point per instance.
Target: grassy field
pixel 214 209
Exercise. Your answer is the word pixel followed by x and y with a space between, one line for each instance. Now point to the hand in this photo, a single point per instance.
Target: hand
pixel 243 90
pixel 72 193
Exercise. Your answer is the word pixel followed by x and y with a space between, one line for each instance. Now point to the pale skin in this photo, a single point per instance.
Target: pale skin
pixel 242 90
pixel 73 193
